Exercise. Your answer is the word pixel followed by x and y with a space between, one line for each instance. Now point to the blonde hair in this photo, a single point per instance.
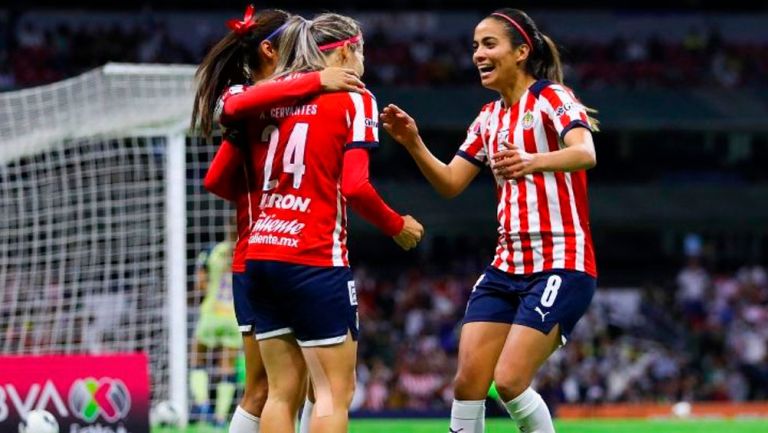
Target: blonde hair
pixel 302 39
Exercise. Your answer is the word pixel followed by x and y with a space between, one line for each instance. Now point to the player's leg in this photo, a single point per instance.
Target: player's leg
pixel 248 413
pixel 306 410
pixel 479 348
pixel 332 369
pixel 327 328
pixel 490 311
pixel 552 304
pixel 286 374
pixel 246 418
pixel 525 351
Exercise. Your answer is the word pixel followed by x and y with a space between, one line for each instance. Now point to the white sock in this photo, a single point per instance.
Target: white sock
pixel 530 413
pixel 243 422
pixel 306 414
pixel 468 416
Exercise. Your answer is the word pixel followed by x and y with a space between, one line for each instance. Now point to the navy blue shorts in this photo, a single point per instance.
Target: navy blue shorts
pixel 241 287
pixel 540 301
pixel 317 304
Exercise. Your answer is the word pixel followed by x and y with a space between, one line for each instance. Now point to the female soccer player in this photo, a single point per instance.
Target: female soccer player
pixel 538 139
pixel 317 161
pixel 248 54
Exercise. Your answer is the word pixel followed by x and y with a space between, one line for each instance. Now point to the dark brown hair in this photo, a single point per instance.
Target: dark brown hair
pixel 544 58
pixel 230 62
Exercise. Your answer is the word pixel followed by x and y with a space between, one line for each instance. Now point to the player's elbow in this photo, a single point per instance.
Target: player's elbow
pixel 218 188
pixel 448 192
pixel 212 184
pixel 352 190
pixel 590 159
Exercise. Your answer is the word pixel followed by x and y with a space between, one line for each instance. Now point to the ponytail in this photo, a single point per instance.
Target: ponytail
pixel 302 52
pixel 550 66
pixel 223 66
pixel 230 62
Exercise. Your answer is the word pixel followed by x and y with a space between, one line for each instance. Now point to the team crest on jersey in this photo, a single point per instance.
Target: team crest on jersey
pixel 528 120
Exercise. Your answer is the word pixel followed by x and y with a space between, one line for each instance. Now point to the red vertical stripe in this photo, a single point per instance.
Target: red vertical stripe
pixel 545 226
pixel 522 211
pixel 504 241
pixel 504 211
pixel 522 197
pixel 579 180
pixel 565 202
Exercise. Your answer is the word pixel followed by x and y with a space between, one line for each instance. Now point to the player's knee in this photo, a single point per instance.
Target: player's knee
pixel 510 384
pixel 466 387
pixel 350 393
pixel 340 394
pixel 255 397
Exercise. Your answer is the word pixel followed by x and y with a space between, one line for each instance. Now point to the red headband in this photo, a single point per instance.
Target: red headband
pixel 353 40
pixel 517 26
pixel 244 26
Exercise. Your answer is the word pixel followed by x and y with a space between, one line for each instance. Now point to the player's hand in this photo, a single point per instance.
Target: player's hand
pixel 400 125
pixel 340 80
pixel 512 162
pixel 411 233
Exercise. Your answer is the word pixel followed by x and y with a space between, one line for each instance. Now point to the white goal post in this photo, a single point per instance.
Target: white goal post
pixel 103 216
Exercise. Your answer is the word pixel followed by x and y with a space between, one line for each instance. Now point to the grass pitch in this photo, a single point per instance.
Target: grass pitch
pixel 497 425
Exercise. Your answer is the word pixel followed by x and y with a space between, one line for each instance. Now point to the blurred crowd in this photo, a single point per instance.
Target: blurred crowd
pixel 32 56
pixel 702 337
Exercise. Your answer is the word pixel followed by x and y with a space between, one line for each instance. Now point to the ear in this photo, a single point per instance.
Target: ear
pixel 523 52
pixel 267 50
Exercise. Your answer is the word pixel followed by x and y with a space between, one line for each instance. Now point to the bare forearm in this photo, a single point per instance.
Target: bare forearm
pixel 572 158
pixel 437 172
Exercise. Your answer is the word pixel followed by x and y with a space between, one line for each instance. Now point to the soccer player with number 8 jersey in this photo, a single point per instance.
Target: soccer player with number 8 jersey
pixel 537 138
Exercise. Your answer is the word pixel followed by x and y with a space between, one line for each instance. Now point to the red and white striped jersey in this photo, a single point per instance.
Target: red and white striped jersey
pixel 303 216
pixel 543 217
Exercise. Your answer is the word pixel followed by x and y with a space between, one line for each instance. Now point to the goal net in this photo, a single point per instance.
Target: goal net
pixel 103 216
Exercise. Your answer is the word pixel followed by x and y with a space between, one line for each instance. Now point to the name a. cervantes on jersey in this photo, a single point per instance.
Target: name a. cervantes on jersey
pixel 269 224
pixel 287 202
pixel 297 110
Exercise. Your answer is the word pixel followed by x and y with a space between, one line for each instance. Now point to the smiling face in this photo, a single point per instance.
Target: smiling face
pixel 498 62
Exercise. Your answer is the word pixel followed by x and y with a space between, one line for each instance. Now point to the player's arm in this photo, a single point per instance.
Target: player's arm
pixel 363 197
pixel 366 201
pixel 224 172
pixel 449 180
pixel 224 177
pixel 261 97
pixel 571 121
pixel 577 154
